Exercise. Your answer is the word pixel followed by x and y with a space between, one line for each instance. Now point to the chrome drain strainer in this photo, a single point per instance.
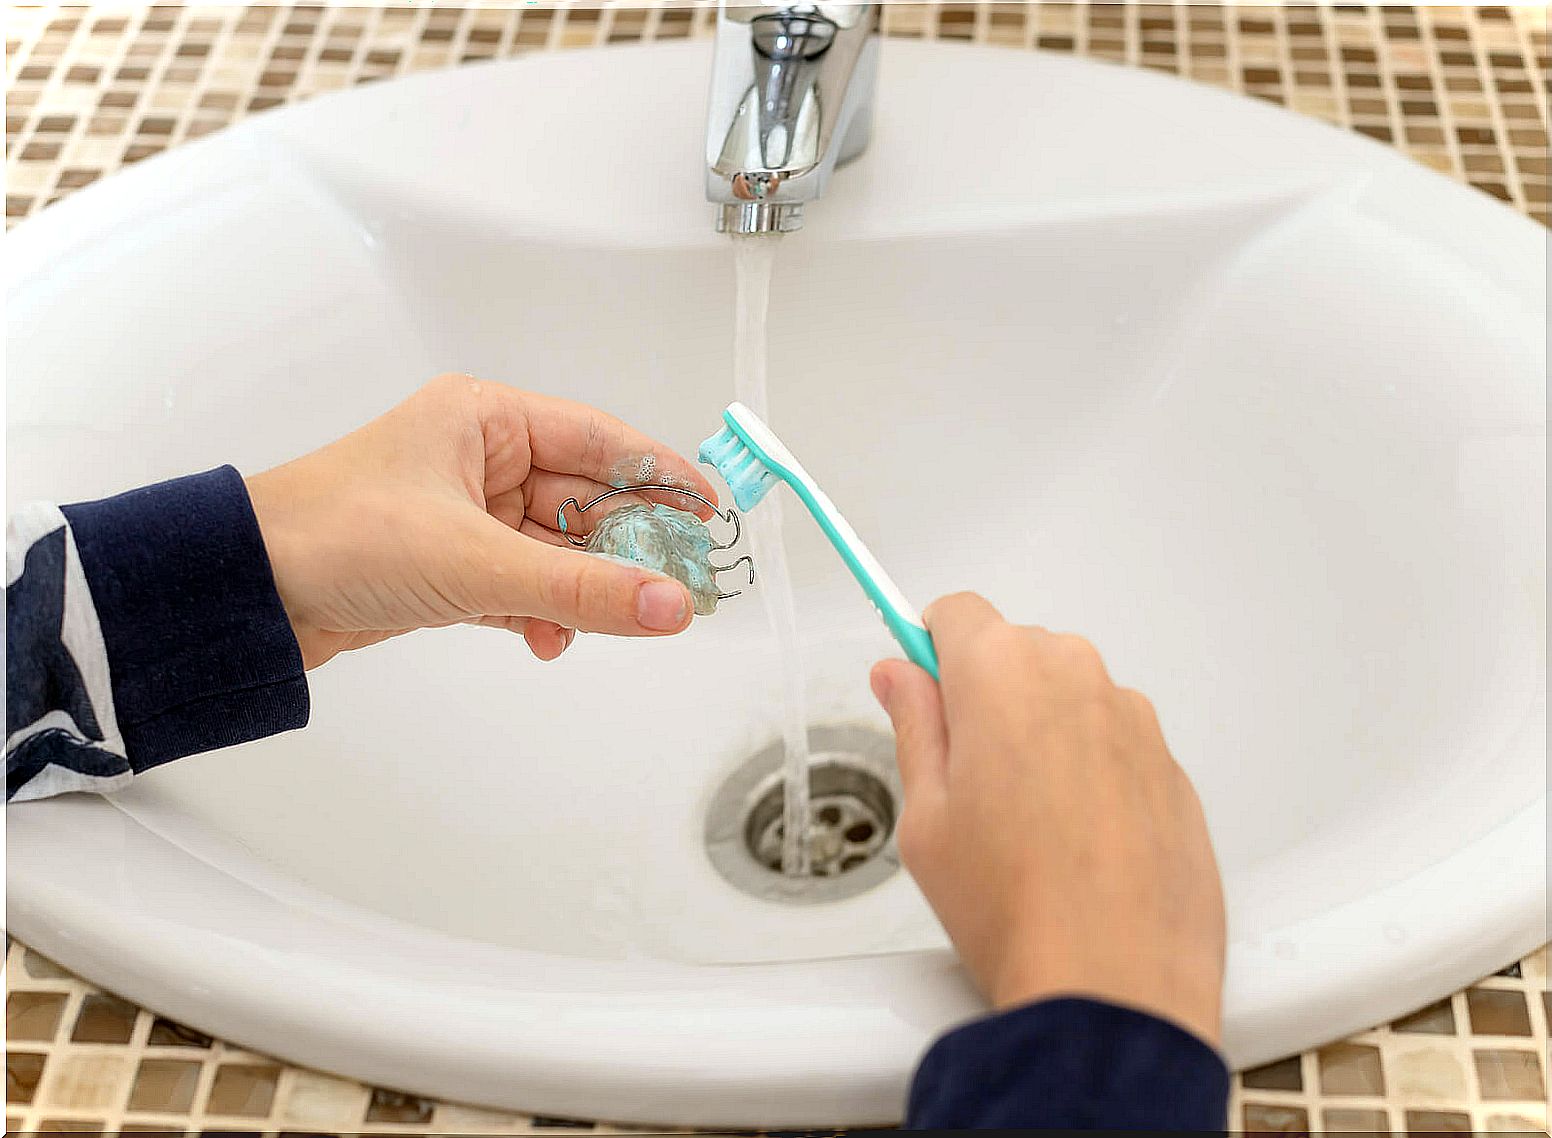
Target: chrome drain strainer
pixel 854 796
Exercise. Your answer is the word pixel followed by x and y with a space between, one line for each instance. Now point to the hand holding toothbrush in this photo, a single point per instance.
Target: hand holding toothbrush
pixel 1060 844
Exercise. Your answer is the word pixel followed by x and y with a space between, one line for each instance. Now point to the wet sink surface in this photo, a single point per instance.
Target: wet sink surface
pixel 1258 407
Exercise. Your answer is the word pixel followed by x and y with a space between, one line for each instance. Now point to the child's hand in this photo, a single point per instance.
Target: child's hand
pixel 1059 843
pixel 442 512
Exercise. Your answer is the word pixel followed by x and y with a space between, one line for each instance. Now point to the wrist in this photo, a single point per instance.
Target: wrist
pixel 1125 978
pixel 274 506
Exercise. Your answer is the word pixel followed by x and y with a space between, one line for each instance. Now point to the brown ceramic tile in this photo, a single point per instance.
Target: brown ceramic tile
pixel 1498 1011
pixel 394 1106
pixel 166 1033
pixel 33 1016
pixel 1265 1118
pixel 164 1086
pixel 75 179
pixel 157 125
pixel 71 1126
pixel 243 1090
pixel 104 1019
pixel 1509 1075
pixel 1437 1122
pixel 23 1071
pixel 1351 1120
pixel 1283 1075
pixel 1351 1069
pixel 1435 1019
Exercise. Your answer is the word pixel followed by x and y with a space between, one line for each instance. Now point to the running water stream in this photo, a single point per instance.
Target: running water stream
pixel 753 259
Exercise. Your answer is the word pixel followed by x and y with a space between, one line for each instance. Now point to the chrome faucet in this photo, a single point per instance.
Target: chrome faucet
pixel 791 98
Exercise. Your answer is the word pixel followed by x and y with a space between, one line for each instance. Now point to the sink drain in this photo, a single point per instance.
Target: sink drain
pixel 854 792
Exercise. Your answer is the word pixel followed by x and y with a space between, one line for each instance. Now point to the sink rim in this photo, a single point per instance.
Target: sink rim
pixel 163 958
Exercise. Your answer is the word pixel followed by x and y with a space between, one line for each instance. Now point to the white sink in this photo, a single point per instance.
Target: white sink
pixel 1257 405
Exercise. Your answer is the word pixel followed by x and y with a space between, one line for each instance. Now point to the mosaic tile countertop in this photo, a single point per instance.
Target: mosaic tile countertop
pixel 91 89
pixel 81 1059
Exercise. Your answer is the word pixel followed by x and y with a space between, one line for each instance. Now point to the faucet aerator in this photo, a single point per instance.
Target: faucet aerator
pixel 752 218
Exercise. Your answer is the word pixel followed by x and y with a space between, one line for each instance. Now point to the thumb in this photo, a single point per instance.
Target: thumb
pixel 915 708
pixel 525 577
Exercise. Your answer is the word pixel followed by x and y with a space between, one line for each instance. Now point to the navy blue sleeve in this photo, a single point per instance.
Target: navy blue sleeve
pixel 1070 1064
pixel 199 648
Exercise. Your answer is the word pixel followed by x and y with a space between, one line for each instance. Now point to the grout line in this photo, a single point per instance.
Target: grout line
pixel 1387 87
pixel 1231 56
pixel 1523 27
pixel 1338 72
pixel 1441 92
pixel 1491 97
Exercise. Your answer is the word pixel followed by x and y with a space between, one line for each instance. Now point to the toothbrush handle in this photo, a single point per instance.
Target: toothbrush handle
pixel 915 639
pixel 890 604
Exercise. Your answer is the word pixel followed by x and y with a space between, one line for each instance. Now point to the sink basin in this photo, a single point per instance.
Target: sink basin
pixel 1256 405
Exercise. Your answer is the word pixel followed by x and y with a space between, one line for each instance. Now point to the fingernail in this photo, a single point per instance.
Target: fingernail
pixel 880 683
pixel 660 606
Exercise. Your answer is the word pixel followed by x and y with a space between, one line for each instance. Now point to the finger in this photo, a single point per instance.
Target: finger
pixel 543 494
pixel 915 708
pixel 545 639
pixel 1078 657
pixel 959 624
pixel 573 438
pixel 518 576
pixel 505 623
pixel 1143 714
pixel 531 528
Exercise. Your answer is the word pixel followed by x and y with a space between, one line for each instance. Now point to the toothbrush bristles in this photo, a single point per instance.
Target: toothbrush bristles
pixel 740 467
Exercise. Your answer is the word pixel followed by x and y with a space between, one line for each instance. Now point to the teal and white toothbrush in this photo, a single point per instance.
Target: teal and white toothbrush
pixel 751 459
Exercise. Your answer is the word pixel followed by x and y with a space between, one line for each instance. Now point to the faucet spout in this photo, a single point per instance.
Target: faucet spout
pixel 791 99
